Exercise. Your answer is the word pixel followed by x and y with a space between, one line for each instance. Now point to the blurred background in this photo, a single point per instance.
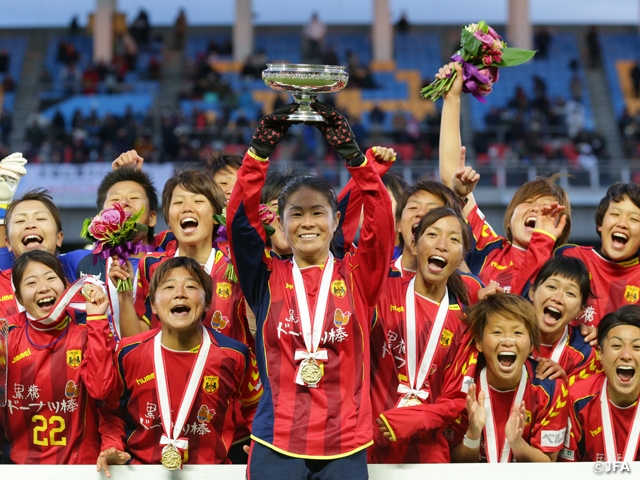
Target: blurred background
pixel 83 80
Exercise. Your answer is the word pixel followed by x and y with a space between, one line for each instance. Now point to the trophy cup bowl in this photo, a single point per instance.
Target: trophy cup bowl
pixel 305 82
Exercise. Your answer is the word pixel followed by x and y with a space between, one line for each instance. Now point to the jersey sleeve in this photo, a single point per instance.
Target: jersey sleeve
pixel 6 258
pixel 473 284
pixel 407 421
pixel 550 424
pixel 484 240
pixel 371 260
pixel 350 204
pixel 247 237
pixel 540 250
pixel 99 372
pixel 111 414
pixel 142 302
pixel 250 389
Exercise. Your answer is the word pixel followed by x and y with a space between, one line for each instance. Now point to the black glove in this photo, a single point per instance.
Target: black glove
pixel 271 129
pixel 338 134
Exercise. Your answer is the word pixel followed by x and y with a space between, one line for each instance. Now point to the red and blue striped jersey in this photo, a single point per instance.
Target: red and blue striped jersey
pixel 54 380
pixel 334 419
pixel 130 419
pixel 578 357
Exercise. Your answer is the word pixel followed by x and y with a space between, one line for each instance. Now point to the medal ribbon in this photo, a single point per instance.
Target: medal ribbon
pixel 415 384
pixel 490 437
pixel 311 333
pixel 170 437
pixel 4 360
pixel 631 448
pixel 559 348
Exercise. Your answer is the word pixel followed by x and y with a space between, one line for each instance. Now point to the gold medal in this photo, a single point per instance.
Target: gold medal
pixel 311 373
pixel 171 458
pixel 86 291
pixel 412 401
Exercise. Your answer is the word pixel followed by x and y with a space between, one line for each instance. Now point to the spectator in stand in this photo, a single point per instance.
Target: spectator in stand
pixel 255 64
pixel 592 41
pixel 8 84
pixel 635 79
pixel 140 29
pixel 90 80
pixel 4 61
pixel 154 69
pixel 6 125
pixel 129 50
pixel 575 84
pixel 403 26
pixel 542 40
pixel 314 34
pixel 574 118
pixel 71 78
pixel 330 56
pixel 377 115
pixel 73 26
pixel 180 30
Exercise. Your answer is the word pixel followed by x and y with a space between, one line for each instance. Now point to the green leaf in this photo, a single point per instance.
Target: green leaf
pixel 269 230
pixel 470 44
pixel 220 219
pixel 512 57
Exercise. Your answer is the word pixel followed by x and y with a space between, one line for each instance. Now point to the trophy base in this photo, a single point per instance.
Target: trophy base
pixel 306 117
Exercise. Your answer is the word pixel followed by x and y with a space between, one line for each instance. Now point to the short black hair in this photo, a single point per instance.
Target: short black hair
pixel 567 267
pixel 129 174
pixel 627 315
pixel 615 194
pixel 219 160
pixel 273 185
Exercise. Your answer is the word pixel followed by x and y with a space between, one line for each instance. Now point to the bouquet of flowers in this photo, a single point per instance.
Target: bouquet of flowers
pixel 116 232
pixel 481 53
pixel 266 216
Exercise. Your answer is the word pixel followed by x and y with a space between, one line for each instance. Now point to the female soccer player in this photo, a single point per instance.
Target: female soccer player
pixel 516 416
pixel 414 343
pixel 605 422
pixel 176 387
pixel 559 294
pixel 60 364
pixel 313 312
pixel 537 218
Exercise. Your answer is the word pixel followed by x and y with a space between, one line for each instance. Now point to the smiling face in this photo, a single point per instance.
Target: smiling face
pixel 226 180
pixel 523 219
pixel 620 356
pixel 620 230
pixel 308 224
pixel 179 301
pixel 506 344
pixel 439 250
pixel 133 198
pixel 557 301
pixel 40 289
pixel 417 207
pixel 32 227
pixel 191 217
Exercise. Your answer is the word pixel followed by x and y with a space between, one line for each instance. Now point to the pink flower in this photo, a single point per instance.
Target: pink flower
pixel 116 215
pixel 486 38
pixel 492 74
pixel 265 215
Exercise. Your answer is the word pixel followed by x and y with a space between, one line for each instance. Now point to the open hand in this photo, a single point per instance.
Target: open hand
pixel 111 456
pixel 476 412
pixel 551 219
pixel 548 368
pixel 515 424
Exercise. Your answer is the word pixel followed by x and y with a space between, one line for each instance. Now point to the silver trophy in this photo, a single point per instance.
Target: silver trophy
pixel 305 82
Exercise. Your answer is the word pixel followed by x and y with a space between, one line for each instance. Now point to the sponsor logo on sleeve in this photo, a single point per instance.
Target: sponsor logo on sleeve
pixel 552 438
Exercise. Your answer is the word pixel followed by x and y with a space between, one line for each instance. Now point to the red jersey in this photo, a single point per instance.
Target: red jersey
pixel 226 312
pixel 494 258
pixel 389 369
pixel 130 420
pixel 333 419
pixel 577 356
pixel 585 440
pixel 8 302
pixel 614 284
pixel 54 378
pixel 545 419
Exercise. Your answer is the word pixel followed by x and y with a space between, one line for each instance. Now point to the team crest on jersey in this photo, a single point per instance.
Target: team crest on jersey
pixel 527 417
pixel 338 288
pixel 71 390
pixel 210 383
pixel 445 338
pixel 341 319
pixel 219 321
pixel 205 415
pixel 74 357
pixel 223 290
pixel 632 294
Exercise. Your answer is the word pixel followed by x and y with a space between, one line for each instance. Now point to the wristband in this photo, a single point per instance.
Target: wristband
pixel 467 442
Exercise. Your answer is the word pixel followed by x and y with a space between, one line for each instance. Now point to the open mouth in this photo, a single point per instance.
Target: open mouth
pixel 46 303
pixel 530 223
pixel 625 373
pixel 180 310
pixel 414 227
pixel 436 263
pixel 507 359
pixel 619 239
pixel 189 224
pixel 551 315
pixel 32 241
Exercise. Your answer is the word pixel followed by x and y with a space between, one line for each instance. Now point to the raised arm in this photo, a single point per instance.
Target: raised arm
pixel 450 141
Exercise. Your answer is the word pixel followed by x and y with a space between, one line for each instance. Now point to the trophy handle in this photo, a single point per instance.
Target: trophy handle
pixel 305 113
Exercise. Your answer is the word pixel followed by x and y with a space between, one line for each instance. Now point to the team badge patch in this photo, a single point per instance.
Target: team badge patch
pixel 341 319
pixel 204 414
pixel 338 288
pixel 223 290
pixel 527 417
pixel 219 321
pixel 632 294
pixel 445 338
pixel 74 357
pixel 210 383
pixel 71 390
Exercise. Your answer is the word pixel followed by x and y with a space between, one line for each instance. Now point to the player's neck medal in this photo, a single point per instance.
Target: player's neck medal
pixel 413 394
pixel 86 291
pixel 309 373
pixel 629 451
pixel 171 457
